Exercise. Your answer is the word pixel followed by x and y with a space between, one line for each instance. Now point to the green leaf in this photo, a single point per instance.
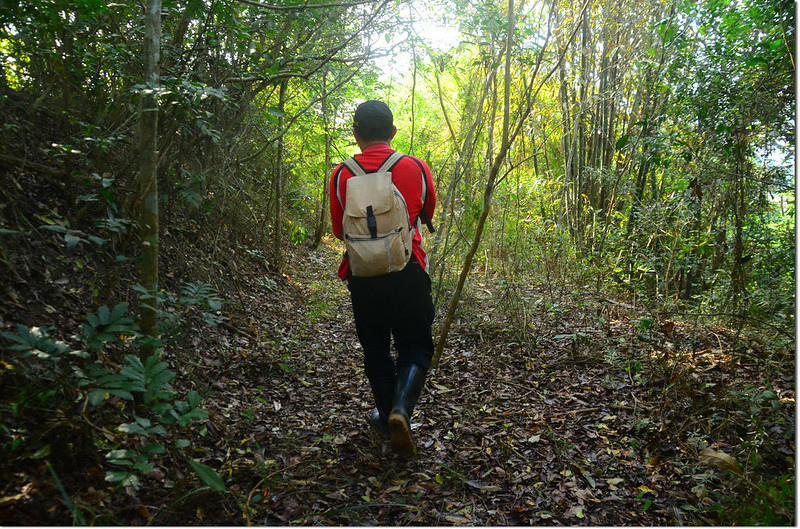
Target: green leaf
pixel 193 398
pixel 209 476
pixel 154 448
pixel 116 475
pixel 96 396
pixel 54 227
pixel 119 310
pixel 622 142
pixel 135 363
pixel 756 61
pixel 104 315
pixel 42 452
pixel 194 415
pixel 162 407
pixel 132 428
pixel 119 454
pixel 144 422
pixel 144 467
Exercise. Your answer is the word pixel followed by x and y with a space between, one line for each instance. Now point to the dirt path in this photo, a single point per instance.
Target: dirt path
pixel 569 425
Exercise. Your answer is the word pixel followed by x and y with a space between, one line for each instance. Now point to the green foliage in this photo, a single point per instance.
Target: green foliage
pixel 203 297
pixel 107 326
pixel 647 199
pixel 159 413
pixel 771 504
pixel 209 476
pixel 36 342
pixel 199 303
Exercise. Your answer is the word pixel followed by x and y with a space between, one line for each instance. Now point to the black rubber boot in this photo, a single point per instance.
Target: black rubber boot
pixel 382 391
pixel 407 388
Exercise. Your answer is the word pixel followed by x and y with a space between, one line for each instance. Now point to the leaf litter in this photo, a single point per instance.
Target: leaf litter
pixel 576 421
pixel 547 408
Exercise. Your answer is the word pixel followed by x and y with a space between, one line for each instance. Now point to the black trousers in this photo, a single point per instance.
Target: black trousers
pixel 396 305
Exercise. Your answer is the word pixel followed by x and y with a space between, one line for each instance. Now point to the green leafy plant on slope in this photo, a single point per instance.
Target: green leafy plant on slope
pixel 153 414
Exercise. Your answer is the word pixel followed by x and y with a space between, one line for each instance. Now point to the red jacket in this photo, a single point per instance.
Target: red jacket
pixel 407 177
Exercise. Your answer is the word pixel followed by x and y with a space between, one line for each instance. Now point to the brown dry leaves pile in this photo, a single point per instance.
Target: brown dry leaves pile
pixel 582 415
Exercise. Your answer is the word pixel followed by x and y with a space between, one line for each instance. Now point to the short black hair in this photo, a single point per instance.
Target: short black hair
pixel 373 120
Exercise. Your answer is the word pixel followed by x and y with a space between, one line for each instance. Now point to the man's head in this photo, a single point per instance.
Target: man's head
pixel 373 122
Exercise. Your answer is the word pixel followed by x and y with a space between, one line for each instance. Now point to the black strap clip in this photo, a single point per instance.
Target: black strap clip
pixel 371 223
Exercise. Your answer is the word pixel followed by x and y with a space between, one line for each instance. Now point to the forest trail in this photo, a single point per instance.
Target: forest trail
pixel 571 424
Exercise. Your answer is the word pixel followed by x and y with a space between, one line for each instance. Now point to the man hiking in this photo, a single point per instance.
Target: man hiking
pixel 379 200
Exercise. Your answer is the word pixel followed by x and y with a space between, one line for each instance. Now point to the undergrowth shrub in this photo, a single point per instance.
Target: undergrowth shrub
pixel 109 401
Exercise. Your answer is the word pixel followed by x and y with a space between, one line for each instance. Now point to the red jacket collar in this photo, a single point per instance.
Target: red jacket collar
pixel 376 148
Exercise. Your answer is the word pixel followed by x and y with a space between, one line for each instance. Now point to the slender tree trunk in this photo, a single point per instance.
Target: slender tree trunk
pixel 148 175
pixel 487 196
pixel 462 160
pixel 322 217
pixel 582 184
pixel 413 99
pixel 277 252
pixel 565 144
pixel 738 280
pixel 499 160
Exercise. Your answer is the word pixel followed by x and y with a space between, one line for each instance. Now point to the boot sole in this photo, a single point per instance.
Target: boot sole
pixel 402 443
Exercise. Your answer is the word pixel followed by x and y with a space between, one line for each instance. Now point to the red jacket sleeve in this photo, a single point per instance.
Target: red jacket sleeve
pixel 430 203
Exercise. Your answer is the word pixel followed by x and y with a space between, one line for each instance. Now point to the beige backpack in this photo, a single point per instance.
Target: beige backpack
pixel 376 227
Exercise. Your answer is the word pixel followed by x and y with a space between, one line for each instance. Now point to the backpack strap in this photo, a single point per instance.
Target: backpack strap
pixel 387 165
pixel 357 170
pixel 354 167
pixel 336 186
pixel 390 162
pixel 422 213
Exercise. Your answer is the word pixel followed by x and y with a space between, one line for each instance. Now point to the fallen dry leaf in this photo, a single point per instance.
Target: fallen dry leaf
pixel 721 460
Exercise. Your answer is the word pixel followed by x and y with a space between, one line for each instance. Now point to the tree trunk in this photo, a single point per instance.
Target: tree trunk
pixel 148 176
pixel 322 217
pixel 461 162
pixel 738 280
pixel 277 254
pixel 487 196
pixel 499 160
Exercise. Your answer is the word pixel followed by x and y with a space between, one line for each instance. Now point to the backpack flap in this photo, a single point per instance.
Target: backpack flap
pixel 375 190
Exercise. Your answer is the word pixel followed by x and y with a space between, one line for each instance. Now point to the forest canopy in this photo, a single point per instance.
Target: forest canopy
pixel 638 152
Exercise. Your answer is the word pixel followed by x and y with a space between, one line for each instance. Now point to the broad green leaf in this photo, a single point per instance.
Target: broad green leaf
pixel 143 467
pixel 116 475
pixel 119 454
pixel 193 398
pixel 132 428
pixel 119 310
pixel 209 476
pixel 104 315
pixel 154 448
pixel 96 396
